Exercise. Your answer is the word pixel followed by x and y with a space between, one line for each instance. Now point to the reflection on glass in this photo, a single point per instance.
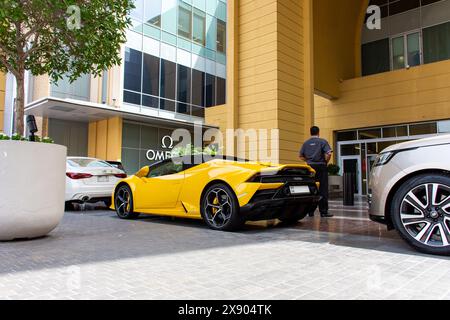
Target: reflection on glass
pixel 198 33
pixel 210 90
pixel 184 20
pixel 184 84
pixel 221 36
pixel 351 150
pixel 150 79
pixel 346 136
pixel 422 129
pixel 133 69
pixel 152 13
pixel 398 53
pixel 413 49
pixel 168 77
pixel 370 134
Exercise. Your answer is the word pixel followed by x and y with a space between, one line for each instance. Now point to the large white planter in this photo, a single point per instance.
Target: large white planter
pixel 32 187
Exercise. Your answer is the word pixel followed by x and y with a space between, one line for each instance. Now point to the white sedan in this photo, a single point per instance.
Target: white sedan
pixel 90 180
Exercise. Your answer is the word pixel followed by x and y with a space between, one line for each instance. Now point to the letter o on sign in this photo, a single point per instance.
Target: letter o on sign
pixel 151 155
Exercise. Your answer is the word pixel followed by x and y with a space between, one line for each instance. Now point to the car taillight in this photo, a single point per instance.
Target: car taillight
pixel 121 175
pixel 78 176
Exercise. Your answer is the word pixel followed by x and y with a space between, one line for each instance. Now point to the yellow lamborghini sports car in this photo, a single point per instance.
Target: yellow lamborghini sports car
pixel 224 193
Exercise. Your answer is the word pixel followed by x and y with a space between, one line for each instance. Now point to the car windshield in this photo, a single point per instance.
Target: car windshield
pixel 88 163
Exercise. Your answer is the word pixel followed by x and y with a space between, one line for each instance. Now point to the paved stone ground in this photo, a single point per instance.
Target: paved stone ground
pixel 94 255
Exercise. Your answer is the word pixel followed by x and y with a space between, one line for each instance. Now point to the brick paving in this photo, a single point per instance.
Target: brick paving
pixel 94 255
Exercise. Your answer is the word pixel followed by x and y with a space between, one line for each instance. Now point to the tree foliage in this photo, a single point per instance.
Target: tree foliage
pixel 61 37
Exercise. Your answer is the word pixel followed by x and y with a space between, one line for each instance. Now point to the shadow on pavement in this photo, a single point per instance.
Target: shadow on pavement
pixel 95 236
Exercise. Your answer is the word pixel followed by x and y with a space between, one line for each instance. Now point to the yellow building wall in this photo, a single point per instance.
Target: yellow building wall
pixel 268 47
pixel 105 139
pixel 337 42
pixel 419 94
pixel 2 100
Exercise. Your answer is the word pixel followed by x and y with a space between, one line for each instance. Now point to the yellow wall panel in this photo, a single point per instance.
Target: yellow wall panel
pixel 105 139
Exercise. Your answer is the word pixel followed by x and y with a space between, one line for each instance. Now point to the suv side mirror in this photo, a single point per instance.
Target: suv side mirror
pixel 143 172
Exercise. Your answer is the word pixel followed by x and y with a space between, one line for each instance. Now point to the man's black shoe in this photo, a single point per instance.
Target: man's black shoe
pixel 327 215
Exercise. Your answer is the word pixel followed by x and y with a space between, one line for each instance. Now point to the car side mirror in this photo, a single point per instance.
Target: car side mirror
pixel 143 172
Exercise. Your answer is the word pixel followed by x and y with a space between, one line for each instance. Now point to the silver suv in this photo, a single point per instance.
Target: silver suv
pixel 410 192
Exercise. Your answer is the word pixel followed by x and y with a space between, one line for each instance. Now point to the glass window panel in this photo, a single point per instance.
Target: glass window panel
pixel 413 41
pixel 130 160
pixel 168 77
pixel 444 126
pixel 169 16
pixel 183 108
pixel 184 20
pixel 131 97
pixel 184 84
pixel 211 32
pixel 210 89
pixel 133 69
pixel 399 6
pixel 198 88
pixel 200 4
pixel 167 105
pixel 198 33
pixel 351 150
pixel 221 91
pixel 150 102
pixel 375 57
pixel 136 13
pixel 130 135
pixel 346 136
pixel 211 7
pixel 150 82
pixel 423 128
pixel 152 32
pixel 136 26
pixel 398 53
pixel 372 148
pixel 169 38
pixel 221 36
pixel 436 43
pixel 149 138
pixel 402 131
pixel 370 134
pixel 389 132
pixel 198 112
pixel 152 13
pixel 221 11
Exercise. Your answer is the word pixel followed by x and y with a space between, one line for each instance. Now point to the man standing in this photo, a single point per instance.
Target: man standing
pixel 316 152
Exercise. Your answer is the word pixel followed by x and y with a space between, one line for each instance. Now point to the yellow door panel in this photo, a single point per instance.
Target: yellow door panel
pixel 159 192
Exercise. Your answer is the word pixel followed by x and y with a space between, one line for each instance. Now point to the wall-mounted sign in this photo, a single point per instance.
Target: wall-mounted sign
pixel 160 155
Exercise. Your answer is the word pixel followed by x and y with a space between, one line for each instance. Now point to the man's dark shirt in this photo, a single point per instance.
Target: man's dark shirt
pixel 314 151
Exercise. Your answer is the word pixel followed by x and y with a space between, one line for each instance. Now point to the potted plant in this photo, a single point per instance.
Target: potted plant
pixel 335 180
pixel 61 39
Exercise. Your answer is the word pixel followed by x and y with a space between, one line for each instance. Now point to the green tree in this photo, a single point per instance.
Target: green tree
pixel 60 38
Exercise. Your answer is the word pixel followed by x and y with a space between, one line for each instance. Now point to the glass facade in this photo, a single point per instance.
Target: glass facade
pixel 414 32
pixel 362 146
pixel 175 56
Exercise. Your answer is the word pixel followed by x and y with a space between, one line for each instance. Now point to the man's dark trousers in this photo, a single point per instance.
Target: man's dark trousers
pixel 322 177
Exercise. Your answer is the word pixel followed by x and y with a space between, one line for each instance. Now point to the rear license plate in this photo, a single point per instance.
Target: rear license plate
pixel 103 179
pixel 300 190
